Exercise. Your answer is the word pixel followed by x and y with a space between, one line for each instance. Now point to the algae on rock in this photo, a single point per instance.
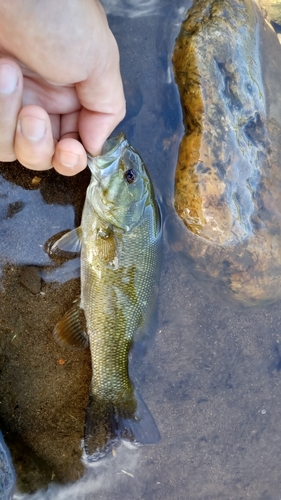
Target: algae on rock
pixel 273 9
pixel 228 176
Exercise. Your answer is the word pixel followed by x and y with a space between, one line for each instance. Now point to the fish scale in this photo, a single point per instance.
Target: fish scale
pixel 125 305
pixel 120 239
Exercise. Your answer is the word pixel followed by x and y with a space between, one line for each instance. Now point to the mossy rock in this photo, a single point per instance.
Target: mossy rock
pixel 228 175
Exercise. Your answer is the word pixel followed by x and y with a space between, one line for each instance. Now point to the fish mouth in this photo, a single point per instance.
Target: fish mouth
pixel 113 144
pixel 111 153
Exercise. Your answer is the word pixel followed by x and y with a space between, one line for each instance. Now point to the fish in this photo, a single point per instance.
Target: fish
pixel 7 472
pixel 120 243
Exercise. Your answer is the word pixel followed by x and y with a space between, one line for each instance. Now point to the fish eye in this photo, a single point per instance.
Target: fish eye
pixel 130 176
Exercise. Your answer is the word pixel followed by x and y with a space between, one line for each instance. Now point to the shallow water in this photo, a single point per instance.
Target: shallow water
pixel 211 376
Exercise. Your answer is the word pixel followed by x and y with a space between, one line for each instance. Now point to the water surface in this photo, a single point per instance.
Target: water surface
pixel 211 376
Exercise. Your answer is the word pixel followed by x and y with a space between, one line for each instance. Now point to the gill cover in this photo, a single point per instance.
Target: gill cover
pixel 120 185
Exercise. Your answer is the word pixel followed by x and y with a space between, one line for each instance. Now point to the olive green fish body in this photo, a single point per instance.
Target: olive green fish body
pixel 118 283
pixel 120 239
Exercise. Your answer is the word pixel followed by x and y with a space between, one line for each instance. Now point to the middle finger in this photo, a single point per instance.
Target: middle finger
pixel 34 143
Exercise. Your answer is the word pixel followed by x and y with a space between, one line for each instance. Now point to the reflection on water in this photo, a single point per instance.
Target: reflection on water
pixel 131 8
pixel 211 377
pixel 134 8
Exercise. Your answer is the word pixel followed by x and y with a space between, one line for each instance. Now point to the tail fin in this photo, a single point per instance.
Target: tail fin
pixel 106 425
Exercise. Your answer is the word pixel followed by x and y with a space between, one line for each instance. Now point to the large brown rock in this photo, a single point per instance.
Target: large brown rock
pixel 228 176
pixel 273 9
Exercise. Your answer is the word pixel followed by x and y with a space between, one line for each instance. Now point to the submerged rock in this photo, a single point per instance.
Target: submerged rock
pixel 7 473
pixel 30 278
pixel 228 176
pixel 273 9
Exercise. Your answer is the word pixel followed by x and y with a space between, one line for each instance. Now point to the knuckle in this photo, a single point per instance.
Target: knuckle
pixel 7 152
pixel 7 157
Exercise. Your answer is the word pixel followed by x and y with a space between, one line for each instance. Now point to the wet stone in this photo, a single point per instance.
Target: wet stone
pixel 228 176
pixel 273 9
pixel 30 279
pixel 7 474
pixel 218 171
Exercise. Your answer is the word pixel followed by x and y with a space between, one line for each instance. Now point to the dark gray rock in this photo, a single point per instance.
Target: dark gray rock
pixel 7 473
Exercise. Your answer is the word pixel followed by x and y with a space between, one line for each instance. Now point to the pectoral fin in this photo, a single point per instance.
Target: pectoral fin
pixel 106 246
pixel 70 331
pixel 69 242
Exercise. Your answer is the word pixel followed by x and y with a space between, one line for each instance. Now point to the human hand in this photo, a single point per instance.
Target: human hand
pixel 59 80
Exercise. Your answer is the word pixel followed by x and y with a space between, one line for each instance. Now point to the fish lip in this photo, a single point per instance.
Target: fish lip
pixel 99 164
pixel 95 176
pixel 120 141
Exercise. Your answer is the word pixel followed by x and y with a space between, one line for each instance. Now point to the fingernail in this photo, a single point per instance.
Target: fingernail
pixel 8 79
pixel 32 128
pixel 68 159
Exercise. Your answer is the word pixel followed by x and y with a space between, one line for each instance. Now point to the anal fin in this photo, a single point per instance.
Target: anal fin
pixel 70 331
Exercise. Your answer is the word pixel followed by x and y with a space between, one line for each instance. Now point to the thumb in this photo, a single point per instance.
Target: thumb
pixel 103 102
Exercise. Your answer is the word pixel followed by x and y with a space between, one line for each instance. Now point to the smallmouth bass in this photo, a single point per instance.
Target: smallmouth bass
pixel 120 240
